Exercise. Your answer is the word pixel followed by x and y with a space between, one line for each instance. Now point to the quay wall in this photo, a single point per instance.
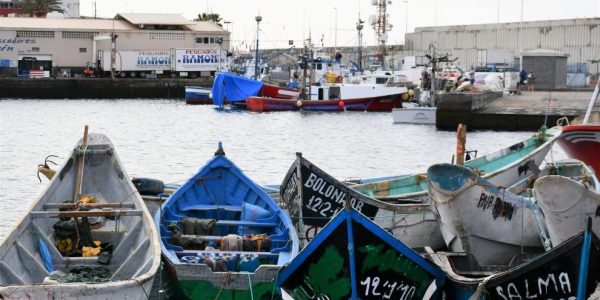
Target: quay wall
pixel 97 88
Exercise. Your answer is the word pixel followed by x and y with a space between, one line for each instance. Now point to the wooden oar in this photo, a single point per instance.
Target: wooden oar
pixel 79 175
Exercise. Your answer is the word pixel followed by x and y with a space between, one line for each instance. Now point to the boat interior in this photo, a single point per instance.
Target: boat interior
pixel 109 211
pixel 224 220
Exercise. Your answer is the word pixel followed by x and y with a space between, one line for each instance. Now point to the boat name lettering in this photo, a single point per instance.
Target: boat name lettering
pixel 500 208
pixel 199 59
pixel 331 192
pixel 154 53
pixel 552 286
pixel 408 291
pixel 290 188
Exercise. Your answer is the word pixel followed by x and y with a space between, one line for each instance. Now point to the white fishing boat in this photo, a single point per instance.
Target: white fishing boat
pixel 89 236
pixel 567 200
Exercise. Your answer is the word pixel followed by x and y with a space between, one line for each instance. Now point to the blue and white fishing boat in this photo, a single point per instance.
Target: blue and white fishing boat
pixel 223 237
pixel 353 258
pixel 197 95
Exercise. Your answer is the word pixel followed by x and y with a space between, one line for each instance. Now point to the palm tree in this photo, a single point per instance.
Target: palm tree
pixel 210 17
pixel 40 8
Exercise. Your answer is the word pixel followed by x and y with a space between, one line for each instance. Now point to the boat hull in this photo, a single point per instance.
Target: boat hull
pixel 273 91
pixel 583 143
pixel 414 115
pixel 566 204
pixel 380 103
pixel 491 224
pixel 197 95
pixel 313 197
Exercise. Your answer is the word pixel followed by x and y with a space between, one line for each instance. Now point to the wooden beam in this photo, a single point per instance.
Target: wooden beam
pixel 90 205
pixel 71 214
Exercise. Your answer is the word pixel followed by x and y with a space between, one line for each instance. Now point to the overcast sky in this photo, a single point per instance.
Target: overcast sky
pixel 284 20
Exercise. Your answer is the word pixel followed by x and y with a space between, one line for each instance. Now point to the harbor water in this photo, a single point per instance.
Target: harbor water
pixel 169 140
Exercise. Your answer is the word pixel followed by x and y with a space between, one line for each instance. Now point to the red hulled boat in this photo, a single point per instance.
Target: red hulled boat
pixel 581 138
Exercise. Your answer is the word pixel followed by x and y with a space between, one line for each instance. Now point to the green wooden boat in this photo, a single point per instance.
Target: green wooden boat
pixel 502 168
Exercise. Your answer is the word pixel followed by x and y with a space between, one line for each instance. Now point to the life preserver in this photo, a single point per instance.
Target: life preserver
pixel 339 79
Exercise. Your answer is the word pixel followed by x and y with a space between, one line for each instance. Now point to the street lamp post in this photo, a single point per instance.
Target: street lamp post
pixel 258 19
pixel 220 41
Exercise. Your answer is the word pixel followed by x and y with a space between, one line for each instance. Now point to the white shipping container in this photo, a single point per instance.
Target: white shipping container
pixel 144 60
pixel 197 60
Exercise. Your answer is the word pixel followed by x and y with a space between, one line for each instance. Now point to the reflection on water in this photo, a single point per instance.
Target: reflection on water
pixel 169 140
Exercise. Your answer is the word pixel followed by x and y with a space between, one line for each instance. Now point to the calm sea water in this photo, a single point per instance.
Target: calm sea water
pixel 169 140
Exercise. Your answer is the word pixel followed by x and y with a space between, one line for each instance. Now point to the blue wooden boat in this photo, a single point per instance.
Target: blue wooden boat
pixel 353 258
pixel 223 237
pixel 570 270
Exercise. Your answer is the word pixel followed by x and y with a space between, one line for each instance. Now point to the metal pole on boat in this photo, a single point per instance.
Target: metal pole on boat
pixel 585 260
pixel 592 101
pixel 258 19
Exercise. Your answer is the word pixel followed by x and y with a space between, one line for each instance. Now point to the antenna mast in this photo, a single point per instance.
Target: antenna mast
pixel 381 25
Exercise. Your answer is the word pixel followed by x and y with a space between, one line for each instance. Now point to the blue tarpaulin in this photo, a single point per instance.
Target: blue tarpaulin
pixel 233 88
pixel 5 63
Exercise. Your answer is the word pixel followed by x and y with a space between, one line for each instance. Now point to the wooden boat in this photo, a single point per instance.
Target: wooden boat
pixel 335 98
pixel 567 199
pixel 312 197
pixel 197 95
pixel 353 258
pixel 223 237
pixel 581 137
pixel 570 270
pixel 107 209
pixel 487 222
pixel 503 167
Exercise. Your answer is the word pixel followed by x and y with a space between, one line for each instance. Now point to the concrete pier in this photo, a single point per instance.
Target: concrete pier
pixel 97 88
pixel 511 112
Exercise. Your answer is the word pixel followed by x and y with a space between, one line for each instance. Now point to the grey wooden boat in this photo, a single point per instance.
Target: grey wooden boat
pixel 567 200
pixel 39 260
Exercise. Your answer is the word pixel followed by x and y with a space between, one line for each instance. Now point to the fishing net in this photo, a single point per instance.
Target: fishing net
pixel 83 274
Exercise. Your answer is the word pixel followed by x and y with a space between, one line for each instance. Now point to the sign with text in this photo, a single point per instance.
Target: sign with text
pixel 197 59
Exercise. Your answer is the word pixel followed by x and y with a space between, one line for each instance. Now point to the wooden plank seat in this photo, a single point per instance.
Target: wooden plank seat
pixel 216 238
pixel 89 205
pixel 211 207
pixel 244 223
pixel 196 252
pixel 71 214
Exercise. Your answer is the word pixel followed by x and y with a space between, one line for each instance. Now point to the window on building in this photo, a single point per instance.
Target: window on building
pixel 82 50
pixel 78 34
pixel 167 36
pixel 35 49
pixel 35 34
pixel 198 40
pixel 212 40
pixel 206 40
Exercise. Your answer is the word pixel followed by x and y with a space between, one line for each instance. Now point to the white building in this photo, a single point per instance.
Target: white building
pixel 72 45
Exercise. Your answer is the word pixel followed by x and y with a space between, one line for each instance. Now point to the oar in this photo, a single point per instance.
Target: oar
pixel 78 178
pixel 79 175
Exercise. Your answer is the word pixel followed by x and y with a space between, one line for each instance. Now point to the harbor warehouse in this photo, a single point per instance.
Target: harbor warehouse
pixel 144 43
